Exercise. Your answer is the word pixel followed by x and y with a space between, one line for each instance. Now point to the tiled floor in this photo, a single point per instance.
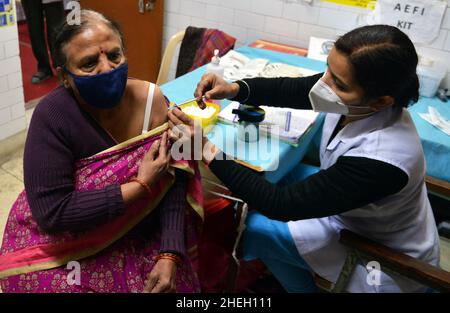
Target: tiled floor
pixel 11 184
pixel 11 179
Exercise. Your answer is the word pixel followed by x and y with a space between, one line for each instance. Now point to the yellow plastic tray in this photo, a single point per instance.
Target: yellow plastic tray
pixel 204 121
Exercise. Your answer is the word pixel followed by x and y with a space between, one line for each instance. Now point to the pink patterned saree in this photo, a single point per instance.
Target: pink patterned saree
pixel 112 257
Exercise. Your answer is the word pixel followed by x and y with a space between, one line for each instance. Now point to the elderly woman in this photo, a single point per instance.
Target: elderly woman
pixel 98 107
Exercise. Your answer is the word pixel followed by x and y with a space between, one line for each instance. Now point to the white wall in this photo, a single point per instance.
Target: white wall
pixel 285 21
pixel 12 107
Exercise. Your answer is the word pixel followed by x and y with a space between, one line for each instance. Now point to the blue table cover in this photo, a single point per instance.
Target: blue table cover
pixel 436 143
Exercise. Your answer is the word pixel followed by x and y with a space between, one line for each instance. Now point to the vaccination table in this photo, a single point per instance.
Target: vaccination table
pixel 281 158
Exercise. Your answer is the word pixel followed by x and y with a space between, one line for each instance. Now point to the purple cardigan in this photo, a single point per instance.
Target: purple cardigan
pixel 61 133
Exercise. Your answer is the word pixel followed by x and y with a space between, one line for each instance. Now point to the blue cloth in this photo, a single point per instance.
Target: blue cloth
pixel 436 143
pixel 287 156
pixel 271 242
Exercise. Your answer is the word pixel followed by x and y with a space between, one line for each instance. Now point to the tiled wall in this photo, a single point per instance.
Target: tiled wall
pixel 286 21
pixel 12 107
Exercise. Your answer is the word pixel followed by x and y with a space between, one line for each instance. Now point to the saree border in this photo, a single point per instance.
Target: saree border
pixel 90 251
pixel 143 136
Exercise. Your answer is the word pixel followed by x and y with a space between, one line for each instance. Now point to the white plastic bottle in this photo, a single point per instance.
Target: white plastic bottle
pixel 214 67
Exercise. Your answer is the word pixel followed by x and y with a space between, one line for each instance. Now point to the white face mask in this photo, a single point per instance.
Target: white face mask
pixel 324 99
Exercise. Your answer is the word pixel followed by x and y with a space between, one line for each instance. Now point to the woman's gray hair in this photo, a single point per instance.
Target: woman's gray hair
pixel 67 31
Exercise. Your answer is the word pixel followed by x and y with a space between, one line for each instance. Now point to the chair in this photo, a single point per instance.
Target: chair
pixel 360 249
pixel 389 259
pixel 438 187
pixel 167 57
pixel 197 48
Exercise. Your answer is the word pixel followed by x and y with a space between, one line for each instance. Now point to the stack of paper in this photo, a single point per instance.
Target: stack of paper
pixel 288 124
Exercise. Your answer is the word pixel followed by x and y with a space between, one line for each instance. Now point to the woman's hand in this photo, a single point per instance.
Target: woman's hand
pixel 186 126
pixel 212 86
pixel 188 133
pixel 155 162
pixel 185 132
pixel 162 278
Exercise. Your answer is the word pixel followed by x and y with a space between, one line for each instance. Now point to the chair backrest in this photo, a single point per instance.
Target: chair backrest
pixel 167 57
pixel 198 45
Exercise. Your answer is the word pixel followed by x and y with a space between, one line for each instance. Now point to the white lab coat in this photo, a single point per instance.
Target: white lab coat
pixel 403 221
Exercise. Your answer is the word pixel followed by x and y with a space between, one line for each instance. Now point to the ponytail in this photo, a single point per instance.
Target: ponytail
pixel 410 95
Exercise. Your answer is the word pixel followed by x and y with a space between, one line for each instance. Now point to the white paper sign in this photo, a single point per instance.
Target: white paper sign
pixel 419 19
